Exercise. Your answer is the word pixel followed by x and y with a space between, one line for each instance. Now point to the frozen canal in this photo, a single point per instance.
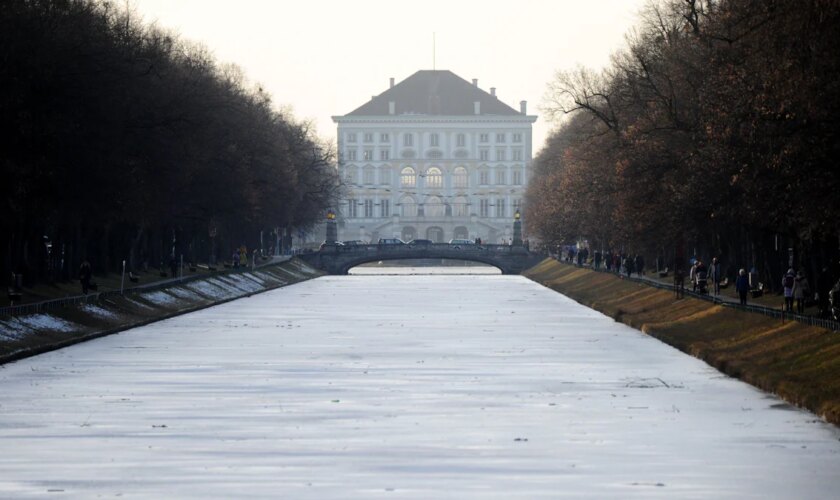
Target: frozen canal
pixel 399 387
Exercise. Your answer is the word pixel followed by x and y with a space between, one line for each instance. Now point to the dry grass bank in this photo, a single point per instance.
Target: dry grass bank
pixel 800 363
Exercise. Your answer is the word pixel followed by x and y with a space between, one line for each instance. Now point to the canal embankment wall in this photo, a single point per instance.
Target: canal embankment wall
pixel 26 335
pixel 798 362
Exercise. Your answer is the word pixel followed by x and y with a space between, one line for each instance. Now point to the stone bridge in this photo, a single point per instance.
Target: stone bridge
pixel 338 259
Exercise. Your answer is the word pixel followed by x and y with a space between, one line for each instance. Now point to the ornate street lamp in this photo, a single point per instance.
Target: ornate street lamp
pixel 332 231
pixel 517 230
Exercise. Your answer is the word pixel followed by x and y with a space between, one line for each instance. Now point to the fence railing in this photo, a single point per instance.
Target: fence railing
pixel 767 311
pixel 92 298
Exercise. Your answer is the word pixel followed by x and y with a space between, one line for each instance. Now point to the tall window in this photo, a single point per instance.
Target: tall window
pixel 434 207
pixel 408 140
pixel 384 155
pixel 483 155
pixel 517 205
pixel 517 177
pixel 408 207
pixel 500 138
pixel 500 177
pixel 368 137
pixel 385 208
pixel 368 155
pixel 483 137
pixel 351 137
pixel 434 178
pixel 461 140
pixel 459 178
pixel 434 140
pixel 408 178
pixel 483 177
pixel 484 207
pixel 384 137
pixel 517 155
pixel 500 155
pixel 367 175
pixel 351 208
pixel 517 137
pixel 385 176
pixel 500 207
pixel 459 206
pixel 368 209
pixel 351 155
pixel 350 175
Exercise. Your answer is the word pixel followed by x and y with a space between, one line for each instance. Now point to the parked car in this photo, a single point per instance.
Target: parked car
pixel 459 243
pixel 420 243
pixel 390 241
pixel 353 243
pixel 328 245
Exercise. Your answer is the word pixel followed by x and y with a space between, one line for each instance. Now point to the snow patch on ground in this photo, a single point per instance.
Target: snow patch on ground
pixel 243 283
pixel 160 298
pixel 11 329
pixel 183 293
pixel 209 289
pixel 47 322
pixel 98 311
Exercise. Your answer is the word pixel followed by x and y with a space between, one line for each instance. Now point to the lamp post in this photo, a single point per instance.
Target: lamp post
pixel 332 231
pixel 517 230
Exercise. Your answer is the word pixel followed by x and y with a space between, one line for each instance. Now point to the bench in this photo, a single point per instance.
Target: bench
pixel 757 292
pixel 133 277
pixel 663 273
pixel 724 283
pixel 15 295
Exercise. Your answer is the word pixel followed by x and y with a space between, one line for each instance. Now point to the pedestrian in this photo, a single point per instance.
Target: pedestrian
pixel 742 286
pixel 234 260
pixel 85 274
pixel 800 292
pixel 788 283
pixel 640 265
pixel 173 266
pixel 628 265
pixel 714 274
pixel 692 275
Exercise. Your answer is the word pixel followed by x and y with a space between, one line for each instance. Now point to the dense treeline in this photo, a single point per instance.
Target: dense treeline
pixel 122 141
pixel 714 132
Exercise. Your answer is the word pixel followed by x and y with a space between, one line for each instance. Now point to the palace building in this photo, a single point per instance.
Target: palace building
pixel 433 157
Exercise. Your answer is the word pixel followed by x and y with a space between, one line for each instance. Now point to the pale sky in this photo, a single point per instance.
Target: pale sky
pixel 321 58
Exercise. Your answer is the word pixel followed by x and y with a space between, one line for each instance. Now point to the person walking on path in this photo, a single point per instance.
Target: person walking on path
pixel 788 282
pixel 85 274
pixel 742 286
pixel 692 275
pixel 824 284
pixel 800 292
pixel 714 275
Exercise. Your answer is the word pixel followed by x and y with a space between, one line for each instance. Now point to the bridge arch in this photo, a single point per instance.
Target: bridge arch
pixel 346 267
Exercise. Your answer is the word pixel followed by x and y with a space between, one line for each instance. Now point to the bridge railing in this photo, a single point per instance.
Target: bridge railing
pixel 447 247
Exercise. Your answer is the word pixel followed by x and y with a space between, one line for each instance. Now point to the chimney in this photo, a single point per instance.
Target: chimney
pixel 392 82
pixel 523 107
pixel 477 107
pixel 475 82
pixel 392 107
pixel 372 97
pixel 493 91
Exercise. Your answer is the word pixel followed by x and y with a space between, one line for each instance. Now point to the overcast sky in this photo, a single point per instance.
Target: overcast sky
pixel 327 57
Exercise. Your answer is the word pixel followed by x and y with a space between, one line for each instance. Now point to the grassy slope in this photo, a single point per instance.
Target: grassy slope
pixel 800 363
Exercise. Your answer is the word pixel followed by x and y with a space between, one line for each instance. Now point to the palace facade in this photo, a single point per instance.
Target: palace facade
pixel 433 157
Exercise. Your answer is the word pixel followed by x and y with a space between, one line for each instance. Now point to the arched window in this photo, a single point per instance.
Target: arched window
pixel 434 207
pixel 385 175
pixel 407 177
pixel 350 175
pixel 459 176
pixel 434 178
pixel 459 207
pixel 367 175
pixel 408 207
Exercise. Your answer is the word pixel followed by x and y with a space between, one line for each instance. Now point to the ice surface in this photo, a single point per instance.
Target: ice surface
pixel 399 387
